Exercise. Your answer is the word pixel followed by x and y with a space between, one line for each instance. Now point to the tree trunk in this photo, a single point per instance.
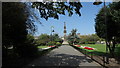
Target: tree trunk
pixel 111 48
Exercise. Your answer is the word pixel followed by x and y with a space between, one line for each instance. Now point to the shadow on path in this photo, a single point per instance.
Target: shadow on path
pixel 63 56
pixel 62 60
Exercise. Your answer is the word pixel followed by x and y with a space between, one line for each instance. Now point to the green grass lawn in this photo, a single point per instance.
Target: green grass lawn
pixel 42 46
pixel 117 50
pixel 98 47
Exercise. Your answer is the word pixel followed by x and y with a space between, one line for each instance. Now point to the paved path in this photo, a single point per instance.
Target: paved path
pixel 64 56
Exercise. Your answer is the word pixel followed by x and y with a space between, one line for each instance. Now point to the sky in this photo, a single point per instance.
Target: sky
pixel 84 23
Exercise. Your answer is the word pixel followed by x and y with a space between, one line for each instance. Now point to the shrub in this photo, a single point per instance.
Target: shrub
pixel 51 43
pixel 58 43
pixel 90 42
pixel 28 50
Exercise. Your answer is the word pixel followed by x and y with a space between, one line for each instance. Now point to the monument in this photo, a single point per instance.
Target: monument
pixel 64 39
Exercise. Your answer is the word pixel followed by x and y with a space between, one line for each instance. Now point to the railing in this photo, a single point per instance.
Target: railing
pixel 102 59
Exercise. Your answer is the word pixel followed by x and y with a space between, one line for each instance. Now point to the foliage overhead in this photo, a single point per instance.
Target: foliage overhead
pixel 53 9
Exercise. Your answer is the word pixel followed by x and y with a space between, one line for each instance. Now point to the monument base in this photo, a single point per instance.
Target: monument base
pixel 65 43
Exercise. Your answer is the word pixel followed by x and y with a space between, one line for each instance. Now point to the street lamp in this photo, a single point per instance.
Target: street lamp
pixel 52 30
pixel 98 2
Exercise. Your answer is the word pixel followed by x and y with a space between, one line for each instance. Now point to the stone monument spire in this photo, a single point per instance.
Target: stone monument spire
pixel 65 31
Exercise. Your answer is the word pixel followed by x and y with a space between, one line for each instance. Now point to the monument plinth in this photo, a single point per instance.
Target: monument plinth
pixel 65 43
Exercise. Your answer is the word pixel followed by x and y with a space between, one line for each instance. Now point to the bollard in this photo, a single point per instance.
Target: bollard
pixel 91 55
pixel 107 59
pixel 103 60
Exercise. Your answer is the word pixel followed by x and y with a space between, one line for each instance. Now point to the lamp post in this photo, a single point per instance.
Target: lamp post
pixel 107 59
pixel 98 2
pixel 52 30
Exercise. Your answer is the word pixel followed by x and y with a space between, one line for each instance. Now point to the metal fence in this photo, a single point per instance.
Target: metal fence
pixel 104 60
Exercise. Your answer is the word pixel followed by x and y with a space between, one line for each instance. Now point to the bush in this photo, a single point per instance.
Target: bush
pixel 40 43
pixel 51 43
pixel 81 42
pixel 27 50
pixel 58 44
pixel 58 40
pixel 90 42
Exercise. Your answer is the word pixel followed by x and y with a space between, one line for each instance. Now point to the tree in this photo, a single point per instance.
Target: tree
pixel 72 37
pixel 93 38
pixel 43 39
pixel 55 37
pixel 112 32
pixel 89 39
pixel 28 48
pixel 53 9
pixel 15 28
pixel 30 39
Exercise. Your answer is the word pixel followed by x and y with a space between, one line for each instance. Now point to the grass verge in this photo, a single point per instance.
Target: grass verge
pixel 42 46
pixel 98 47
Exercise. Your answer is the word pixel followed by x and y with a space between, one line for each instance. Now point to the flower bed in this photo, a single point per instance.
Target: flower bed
pixel 84 47
pixel 51 46
pixel 89 48
pixel 77 45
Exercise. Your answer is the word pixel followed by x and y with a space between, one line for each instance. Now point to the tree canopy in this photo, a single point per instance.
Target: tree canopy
pixel 89 39
pixel 112 20
pixel 14 26
pixel 15 29
pixel 109 29
pixel 53 9
pixel 73 37
pixel 43 39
